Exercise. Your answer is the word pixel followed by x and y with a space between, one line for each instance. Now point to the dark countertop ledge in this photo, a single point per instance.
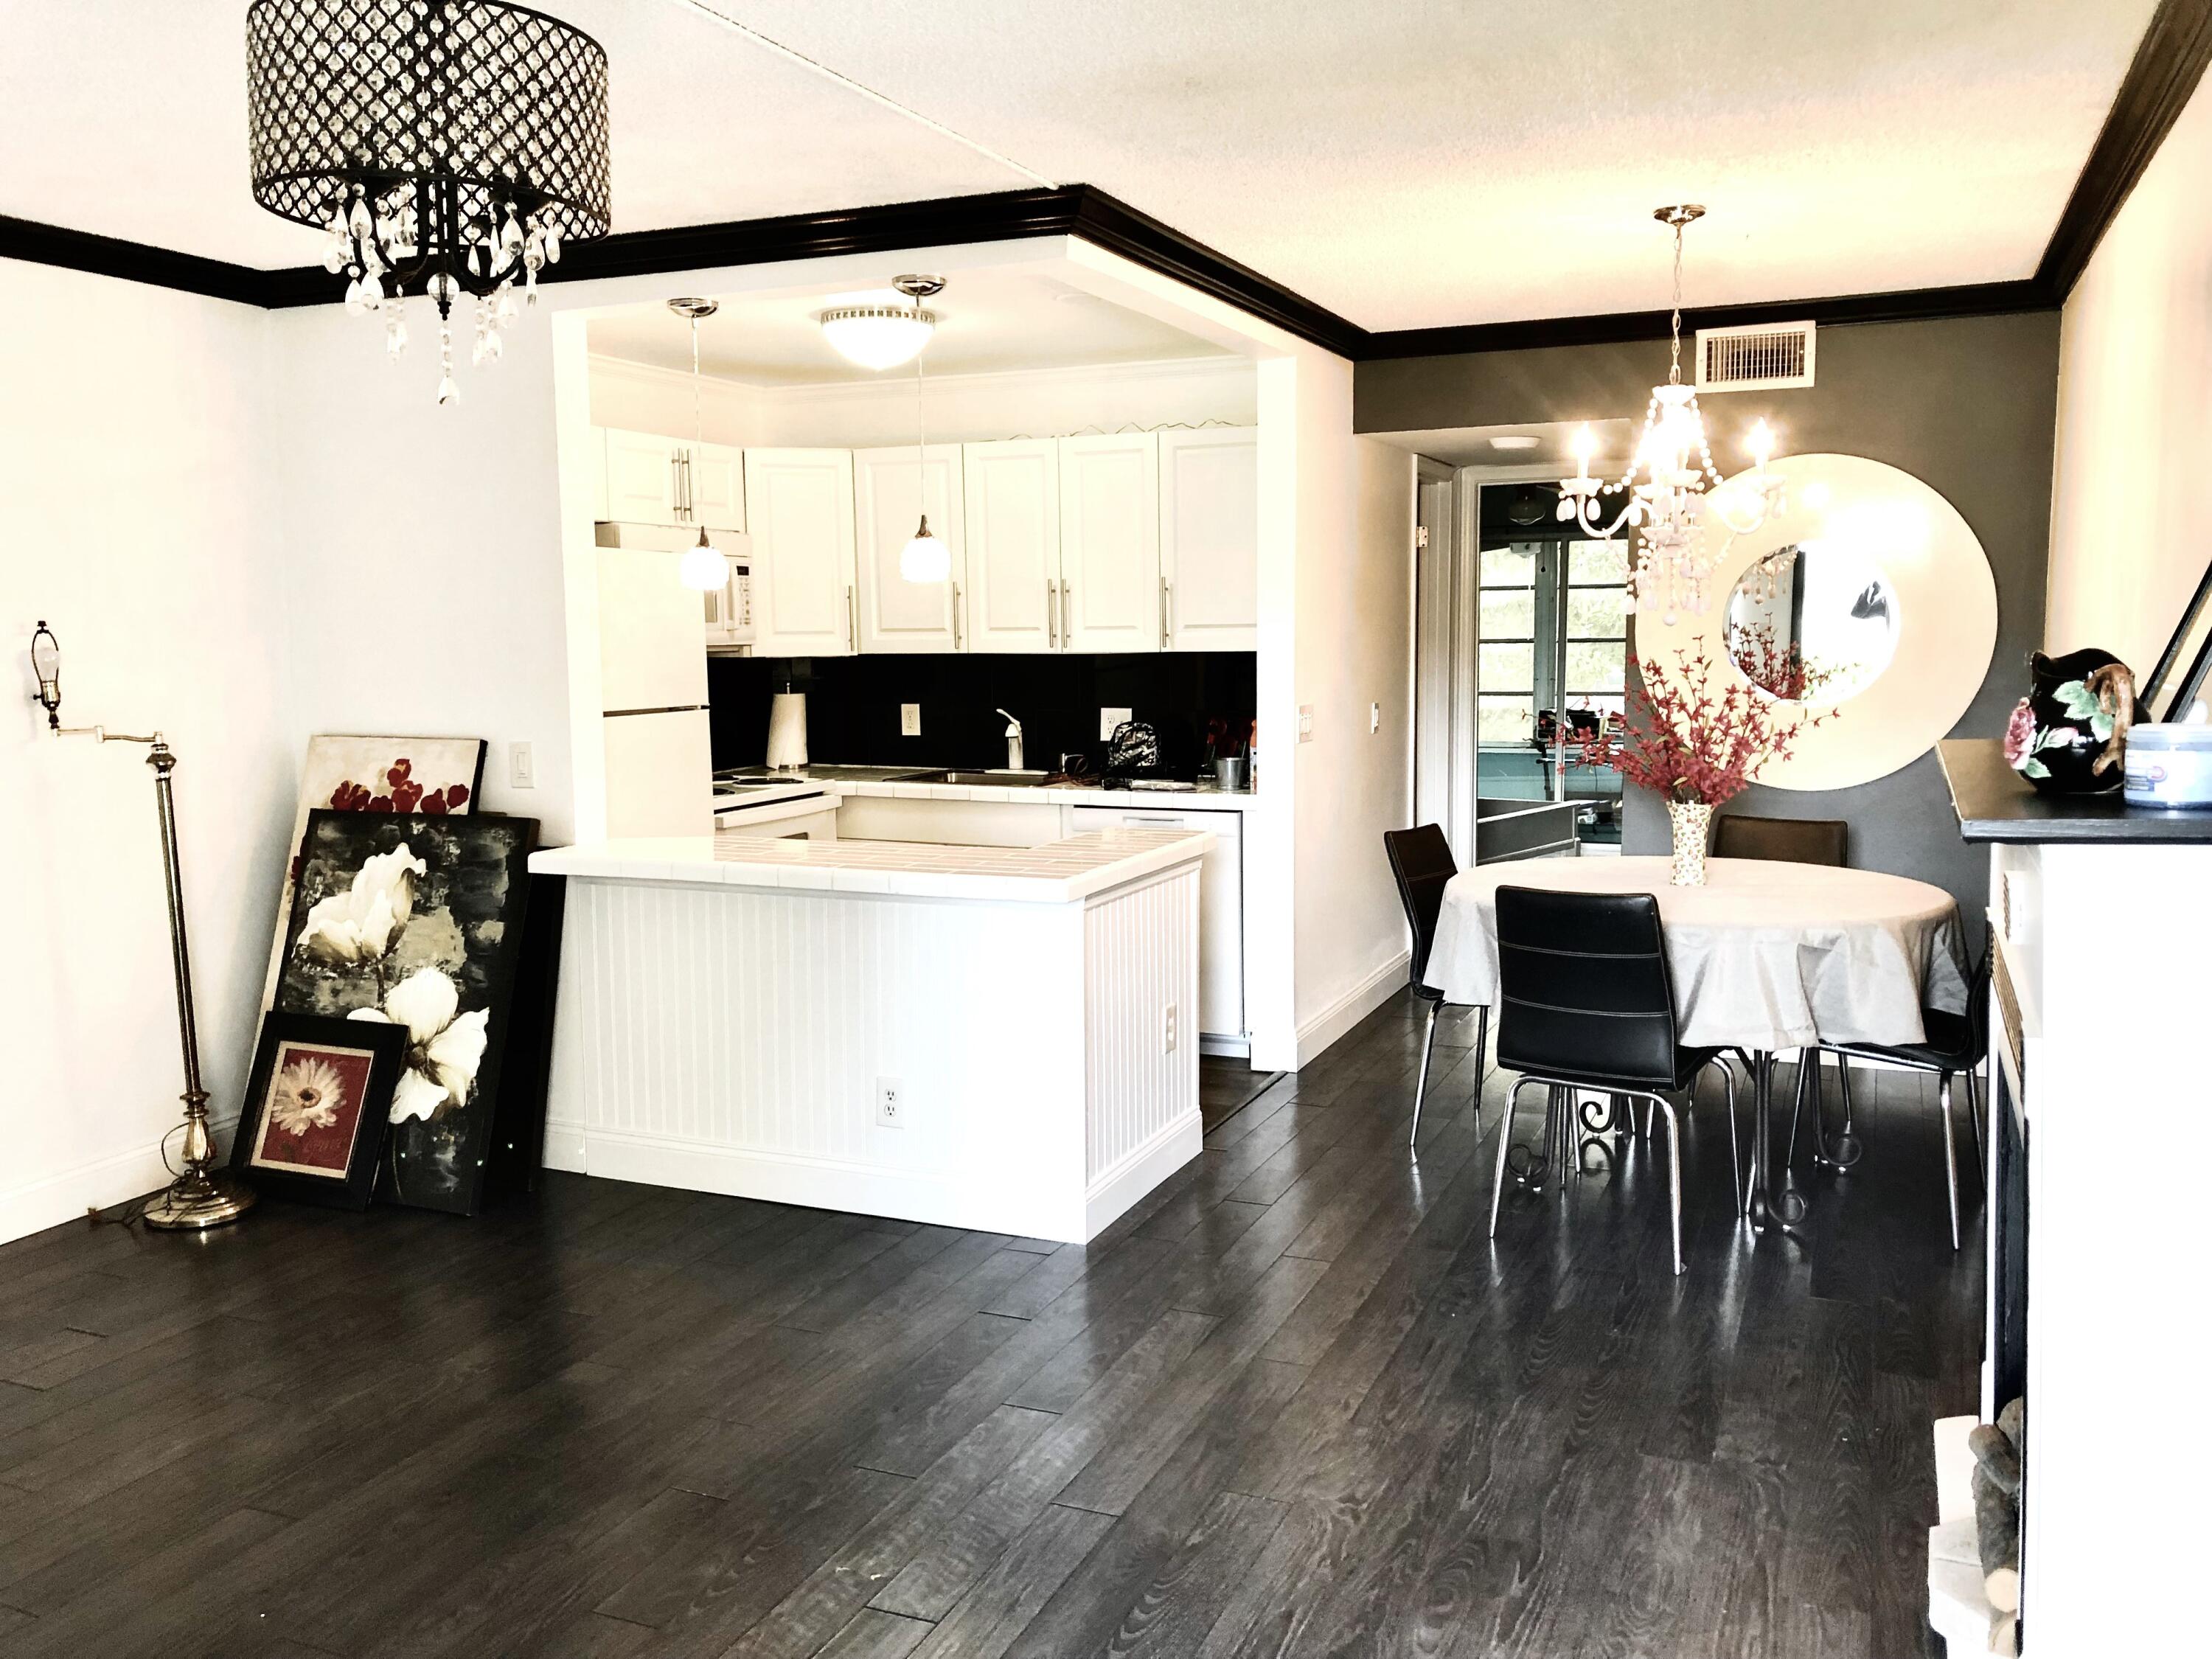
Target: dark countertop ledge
pixel 1995 803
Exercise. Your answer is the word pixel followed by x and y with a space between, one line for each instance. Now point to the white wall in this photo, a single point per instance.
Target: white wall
pixel 2134 413
pixel 136 468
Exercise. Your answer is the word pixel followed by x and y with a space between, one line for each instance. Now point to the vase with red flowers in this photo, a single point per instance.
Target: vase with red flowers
pixel 1697 734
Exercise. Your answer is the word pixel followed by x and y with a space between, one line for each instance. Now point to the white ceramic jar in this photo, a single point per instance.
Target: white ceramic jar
pixel 2169 765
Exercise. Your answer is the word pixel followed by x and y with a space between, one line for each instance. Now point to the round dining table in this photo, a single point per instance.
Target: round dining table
pixel 1765 956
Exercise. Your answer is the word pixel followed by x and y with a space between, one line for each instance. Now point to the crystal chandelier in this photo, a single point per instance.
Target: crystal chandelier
pixel 1680 488
pixel 446 146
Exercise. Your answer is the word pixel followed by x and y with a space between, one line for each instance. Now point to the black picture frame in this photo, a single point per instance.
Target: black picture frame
pixel 464 924
pixel 2185 664
pixel 291 1161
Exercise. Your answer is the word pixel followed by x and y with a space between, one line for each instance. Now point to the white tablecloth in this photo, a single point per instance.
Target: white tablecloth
pixel 1765 955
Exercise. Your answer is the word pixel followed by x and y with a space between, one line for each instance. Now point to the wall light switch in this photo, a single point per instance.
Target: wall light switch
pixel 910 719
pixel 1374 717
pixel 891 1103
pixel 1306 722
pixel 1168 1030
pixel 521 769
pixel 1111 718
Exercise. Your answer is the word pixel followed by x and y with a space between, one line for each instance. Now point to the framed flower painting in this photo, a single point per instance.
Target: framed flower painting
pixel 348 773
pixel 415 921
pixel 316 1108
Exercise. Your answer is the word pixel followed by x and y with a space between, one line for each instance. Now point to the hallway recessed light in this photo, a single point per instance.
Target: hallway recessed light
pixel 1513 440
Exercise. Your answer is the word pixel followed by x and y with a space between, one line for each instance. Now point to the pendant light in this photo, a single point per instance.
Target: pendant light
pixel 880 337
pixel 703 567
pixel 924 558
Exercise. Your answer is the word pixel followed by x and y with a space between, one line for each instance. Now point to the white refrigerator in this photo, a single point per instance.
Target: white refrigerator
pixel 652 684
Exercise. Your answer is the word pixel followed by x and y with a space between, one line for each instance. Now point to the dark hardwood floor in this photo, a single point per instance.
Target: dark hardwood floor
pixel 1296 1403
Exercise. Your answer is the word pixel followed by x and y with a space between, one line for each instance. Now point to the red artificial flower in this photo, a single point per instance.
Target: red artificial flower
pixel 379 803
pixel 404 795
pixel 432 805
pixel 349 797
pixel 397 775
pixel 456 794
pixel 1693 742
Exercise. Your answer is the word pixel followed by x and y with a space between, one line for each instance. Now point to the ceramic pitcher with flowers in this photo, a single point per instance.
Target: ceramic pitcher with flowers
pixel 2069 735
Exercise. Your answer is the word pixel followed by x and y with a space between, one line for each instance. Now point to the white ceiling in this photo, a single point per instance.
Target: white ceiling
pixel 1404 164
pixel 987 322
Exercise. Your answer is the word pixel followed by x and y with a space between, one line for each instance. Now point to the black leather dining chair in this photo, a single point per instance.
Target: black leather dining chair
pixel 1421 859
pixel 1954 1045
pixel 1791 841
pixel 1585 1002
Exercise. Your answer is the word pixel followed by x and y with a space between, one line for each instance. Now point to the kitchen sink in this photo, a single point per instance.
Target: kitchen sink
pixel 991 780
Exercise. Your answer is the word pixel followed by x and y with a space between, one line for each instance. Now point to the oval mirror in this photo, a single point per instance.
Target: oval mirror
pixel 1813 622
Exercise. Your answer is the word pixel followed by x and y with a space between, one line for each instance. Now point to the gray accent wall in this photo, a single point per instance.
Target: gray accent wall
pixel 1967 404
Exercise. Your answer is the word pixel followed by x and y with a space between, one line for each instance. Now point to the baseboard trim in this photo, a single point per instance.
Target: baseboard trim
pixel 1325 1028
pixel 38 1205
pixel 1139 1170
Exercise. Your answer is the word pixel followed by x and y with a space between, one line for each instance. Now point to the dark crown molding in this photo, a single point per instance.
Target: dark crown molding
pixel 2169 63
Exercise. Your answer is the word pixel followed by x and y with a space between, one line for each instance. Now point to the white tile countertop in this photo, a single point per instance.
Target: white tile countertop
pixel 1057 872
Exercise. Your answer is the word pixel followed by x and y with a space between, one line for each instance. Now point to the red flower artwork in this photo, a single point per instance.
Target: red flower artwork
pixel 1693 742
pixel 403 795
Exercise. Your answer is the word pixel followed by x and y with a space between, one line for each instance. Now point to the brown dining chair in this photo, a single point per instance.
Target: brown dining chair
pixel 1421 861
pixel 1790 840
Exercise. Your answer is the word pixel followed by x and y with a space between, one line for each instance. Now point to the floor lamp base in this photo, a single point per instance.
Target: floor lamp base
pixel 198 1201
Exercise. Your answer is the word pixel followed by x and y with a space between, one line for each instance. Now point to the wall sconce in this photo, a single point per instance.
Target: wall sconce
pixel 202 1196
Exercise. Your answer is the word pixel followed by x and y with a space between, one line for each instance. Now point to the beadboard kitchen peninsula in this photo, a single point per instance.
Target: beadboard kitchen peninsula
pixel 986 1037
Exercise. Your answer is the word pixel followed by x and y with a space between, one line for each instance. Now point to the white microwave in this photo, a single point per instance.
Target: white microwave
pixel 730 611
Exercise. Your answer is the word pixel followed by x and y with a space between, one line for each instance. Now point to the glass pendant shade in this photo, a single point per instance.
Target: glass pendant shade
pixel 878 336
pixel 925 559
pixel 703 568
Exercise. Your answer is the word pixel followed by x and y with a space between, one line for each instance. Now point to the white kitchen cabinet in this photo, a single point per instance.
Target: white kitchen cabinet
pixel 1220 904
pixel 1210 539
pixel 713 485
pixel 1013 520
pixel 642 481
pixel 891 487
pixel 1110 598
pixel 802 545
pixel 647 478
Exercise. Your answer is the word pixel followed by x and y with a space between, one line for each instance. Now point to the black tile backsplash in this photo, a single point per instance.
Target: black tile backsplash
pixel 852 705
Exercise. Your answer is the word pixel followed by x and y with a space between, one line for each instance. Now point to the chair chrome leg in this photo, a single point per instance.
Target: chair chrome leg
pixel 1974 1117
pixel 1807 1057
pixel 1482 1052
pixel 1950 1158
pixel 1421 1087
pixel 1505 1139
pixel 1735 1157
pixel 1673 1174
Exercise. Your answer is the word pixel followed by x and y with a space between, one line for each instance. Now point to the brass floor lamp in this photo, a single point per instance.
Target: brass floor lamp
pixel 200 1196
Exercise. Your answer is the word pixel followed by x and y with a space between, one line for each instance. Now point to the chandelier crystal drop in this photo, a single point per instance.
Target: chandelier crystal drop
pixel 446 146
pixel 1679 489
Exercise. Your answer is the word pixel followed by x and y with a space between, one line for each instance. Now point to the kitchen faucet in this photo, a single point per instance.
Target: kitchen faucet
pixel 1014 742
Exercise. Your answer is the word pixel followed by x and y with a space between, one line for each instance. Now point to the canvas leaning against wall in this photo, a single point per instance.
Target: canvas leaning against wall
pixel 417 920
pixel 434 776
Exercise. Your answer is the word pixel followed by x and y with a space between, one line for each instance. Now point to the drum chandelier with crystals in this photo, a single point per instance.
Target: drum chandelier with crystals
pixel 450 148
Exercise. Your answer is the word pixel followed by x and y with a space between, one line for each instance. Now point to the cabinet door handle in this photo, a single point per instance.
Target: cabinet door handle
pixel 851 629
pixel 1051 615
pixel 1167 630
pixel 1066 638
pixel 956 616
pixel 690 500
pixel 675 484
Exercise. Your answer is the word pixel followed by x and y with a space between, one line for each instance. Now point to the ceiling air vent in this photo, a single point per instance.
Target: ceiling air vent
pixel 1755 358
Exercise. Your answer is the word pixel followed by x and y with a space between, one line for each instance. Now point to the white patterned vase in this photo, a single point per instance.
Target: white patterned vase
pixel 1692 821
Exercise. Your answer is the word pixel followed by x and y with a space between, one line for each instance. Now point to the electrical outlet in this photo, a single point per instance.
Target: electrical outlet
pixel 910 719
pixel 1111 718
pixel 1374 717
pixel 1168 1030
pixel 1306 722
pixel 891 1103
pixel 521 769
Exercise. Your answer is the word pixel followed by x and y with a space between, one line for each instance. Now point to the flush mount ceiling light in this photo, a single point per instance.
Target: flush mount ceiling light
pixel 447 147
pixel 883 336
pixel 1680 487
pixel 702 568
pixel 1513 441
